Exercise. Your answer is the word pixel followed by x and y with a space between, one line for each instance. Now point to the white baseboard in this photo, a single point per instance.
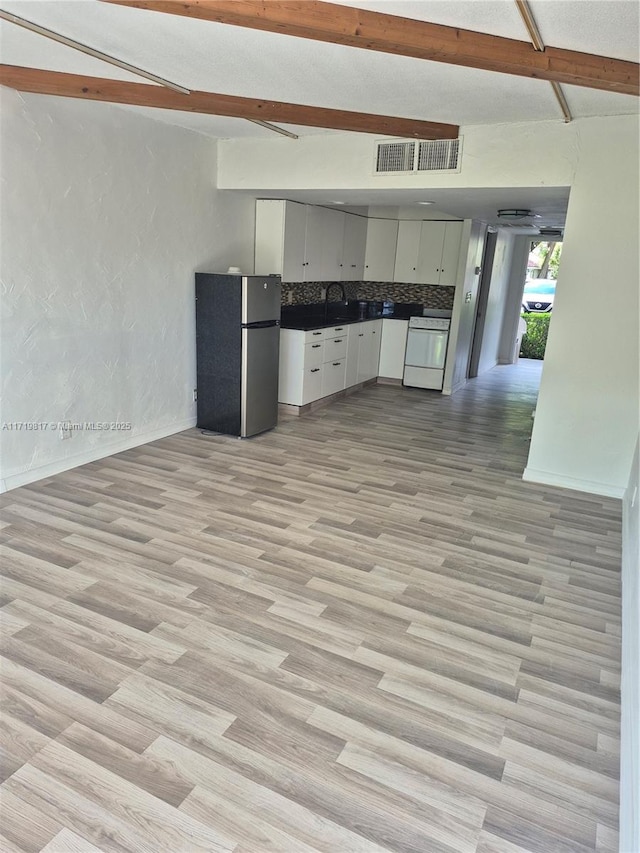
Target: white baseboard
pixel 547 478
pixel 32 475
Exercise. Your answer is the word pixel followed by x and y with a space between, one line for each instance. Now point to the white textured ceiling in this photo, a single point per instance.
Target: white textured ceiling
pixel 239 61
pixel 249 63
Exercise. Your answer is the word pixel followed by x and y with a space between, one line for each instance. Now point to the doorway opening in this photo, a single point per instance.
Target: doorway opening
pixel 538 297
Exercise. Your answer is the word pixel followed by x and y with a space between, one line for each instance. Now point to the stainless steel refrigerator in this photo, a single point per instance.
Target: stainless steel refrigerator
pixel 237 352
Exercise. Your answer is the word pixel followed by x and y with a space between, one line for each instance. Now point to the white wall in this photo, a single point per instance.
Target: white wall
pixel 630 734
pixel 586 420
pixel 513 297
pixel 528 154
pixel 497 302
pixel 105 217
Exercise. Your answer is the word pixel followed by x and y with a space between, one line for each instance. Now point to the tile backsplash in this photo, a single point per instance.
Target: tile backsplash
pixel 430 295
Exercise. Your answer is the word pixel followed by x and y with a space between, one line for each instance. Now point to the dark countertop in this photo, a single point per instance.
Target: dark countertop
pixel 307 317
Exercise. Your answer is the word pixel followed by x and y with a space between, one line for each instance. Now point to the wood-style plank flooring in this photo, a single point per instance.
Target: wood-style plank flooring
pixel 359 632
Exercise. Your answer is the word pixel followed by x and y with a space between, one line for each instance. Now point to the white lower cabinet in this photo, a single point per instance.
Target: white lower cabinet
pixel 312 382
pixel 319 363
pixel 354 338
pixel 392 348
pixel 333 373
pixel 369 351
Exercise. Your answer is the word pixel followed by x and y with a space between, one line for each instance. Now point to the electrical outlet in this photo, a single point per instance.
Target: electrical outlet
pixel 195 395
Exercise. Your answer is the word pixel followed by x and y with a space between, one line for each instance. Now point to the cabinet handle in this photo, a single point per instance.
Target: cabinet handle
pixel 336 364
pixel 315 370
pixel 361 335
pixel 338 328
pixel 315 346
pixel 353 266
pixel 316 333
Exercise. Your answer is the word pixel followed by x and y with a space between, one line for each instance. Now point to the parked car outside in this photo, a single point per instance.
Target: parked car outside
pixel 538 295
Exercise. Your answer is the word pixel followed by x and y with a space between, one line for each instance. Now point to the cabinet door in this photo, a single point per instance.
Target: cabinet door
pixel 354 338
pixel 406 265
pixel 323 244
pixel 313 244
pixel 354 247
pixel 450 253
pixel 293 241
pixel 365 353
pixel 312 384
pixel 332 239
pixel 430 253
pixel 333 375
pixel 380 256
pixel 392 348
pixel 374 355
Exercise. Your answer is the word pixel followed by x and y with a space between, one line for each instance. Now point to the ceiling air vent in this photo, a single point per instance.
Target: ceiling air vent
pixel 395 156
pixel 438 155
pixel 428 155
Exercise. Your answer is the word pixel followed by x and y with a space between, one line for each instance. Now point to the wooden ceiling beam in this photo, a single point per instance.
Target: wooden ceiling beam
pixel 42 82
pixel 330 22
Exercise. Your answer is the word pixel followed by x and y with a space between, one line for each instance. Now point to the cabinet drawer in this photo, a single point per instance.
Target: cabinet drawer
pixel 335 348
pixel 314 335
pixel 312 384
pixel 313 354
pixel 336 332
pixel 333 376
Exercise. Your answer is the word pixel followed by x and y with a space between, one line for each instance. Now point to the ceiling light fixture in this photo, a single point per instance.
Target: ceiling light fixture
pixel 426 202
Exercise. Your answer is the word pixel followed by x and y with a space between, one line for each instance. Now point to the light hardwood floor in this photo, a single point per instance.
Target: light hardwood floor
pixel 359 632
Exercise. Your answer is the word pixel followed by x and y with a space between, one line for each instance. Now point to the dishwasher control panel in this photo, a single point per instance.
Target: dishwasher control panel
pixel 435 323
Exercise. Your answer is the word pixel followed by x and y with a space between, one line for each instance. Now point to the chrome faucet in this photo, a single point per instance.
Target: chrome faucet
pixel 326 297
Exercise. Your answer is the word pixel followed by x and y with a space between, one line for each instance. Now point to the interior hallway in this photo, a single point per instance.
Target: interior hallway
pixel 359 632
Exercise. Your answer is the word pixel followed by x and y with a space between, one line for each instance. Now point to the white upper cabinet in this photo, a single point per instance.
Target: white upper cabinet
pixel 450 253
pixel 382 237
pixel 428 252
pixel 353 247
pixel 280 238
pixel 406 265
pixel 304 242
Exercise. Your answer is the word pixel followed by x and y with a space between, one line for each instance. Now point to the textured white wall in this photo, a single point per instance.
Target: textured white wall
pixel 497 303
pixel 106 215
pixel 513 297
pixel 630 734
pixel 586 421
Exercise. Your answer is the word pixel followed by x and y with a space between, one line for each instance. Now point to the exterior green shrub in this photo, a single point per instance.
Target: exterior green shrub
pixel 535 341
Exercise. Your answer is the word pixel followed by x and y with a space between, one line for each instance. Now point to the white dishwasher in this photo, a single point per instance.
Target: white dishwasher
pixel 426 352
